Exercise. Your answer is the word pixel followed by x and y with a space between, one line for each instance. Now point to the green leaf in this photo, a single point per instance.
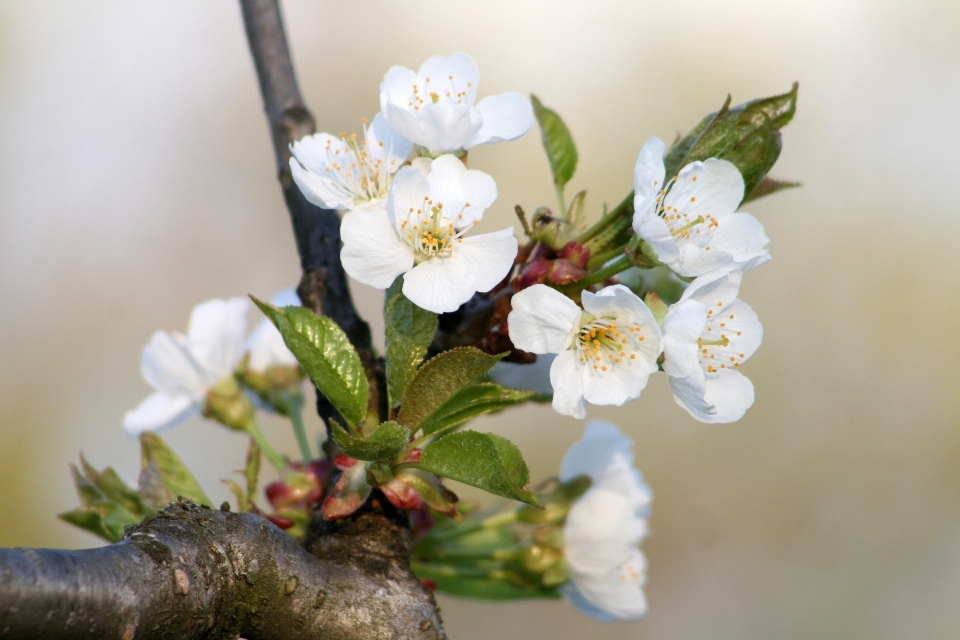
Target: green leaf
pixel 326 355
pixel 386 441
pixel 747 135
pixel 114 488
pixel 557 142
pixel 251 471
pixel 89 493
pixel 243 502
pixel 410 331
pixel 470 402
pixel 439 378
pixel 174 475
pixel 481 460
pixel 769 185
pixel 89 519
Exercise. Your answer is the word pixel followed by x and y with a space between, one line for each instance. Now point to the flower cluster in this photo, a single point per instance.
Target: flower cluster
pixel 611 343
pixel 409 217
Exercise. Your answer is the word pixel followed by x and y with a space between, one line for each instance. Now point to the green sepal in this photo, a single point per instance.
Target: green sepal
pixel 409 332
pixel 172 472
pixel 657 306
pixel 747 135
pixel 557 142
pixel 439 379
pixel 385 441
pixel 470 402
pixel 483 460
pixel 769 185
pixel 326 355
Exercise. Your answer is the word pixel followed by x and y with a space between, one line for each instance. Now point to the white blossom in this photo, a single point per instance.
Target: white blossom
pixel 338 172
pixel 434 106
pixel 605 526
pixel 421 234
pixel 265 345
pixel 606 351
pixel 183 367
pixel 707 335
pixel 691 220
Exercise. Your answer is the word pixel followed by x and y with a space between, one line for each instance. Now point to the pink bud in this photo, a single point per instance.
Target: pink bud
pixel 576 253
pixel 565 272
pixel 534 273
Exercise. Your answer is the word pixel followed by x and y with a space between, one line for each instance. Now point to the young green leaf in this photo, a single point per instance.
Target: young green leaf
pixel 410 331
pixel 173 473
pixel 386 441
pixel 481 460
pixel 557 142
pixel 470 402
pixel 747 135
pixel 89 519
pixel 326 355
pixel 113 487
pixel 439 378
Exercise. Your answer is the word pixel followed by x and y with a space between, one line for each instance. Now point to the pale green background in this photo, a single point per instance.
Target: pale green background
pixel 137 179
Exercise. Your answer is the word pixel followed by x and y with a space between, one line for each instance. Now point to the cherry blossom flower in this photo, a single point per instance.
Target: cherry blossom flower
pixel 184 367
pixel 421 235
pixel 606 351
pixel 337 172
pixel 691 220
pixel 707 335
pixel 434 106
pixel 605 526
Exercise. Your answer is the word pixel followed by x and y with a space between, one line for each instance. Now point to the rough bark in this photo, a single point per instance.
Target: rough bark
pixel 191 572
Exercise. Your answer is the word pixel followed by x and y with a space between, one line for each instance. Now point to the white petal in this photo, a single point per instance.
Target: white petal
pixel 684 323
pixel 396 89
pixel 651 228
pixel 743 332
pixel 649 172
pixel 731 393
pixel 595 451
pixel 286 298
pixel 742 236
pixel 446 126
pixel 543 320
pixel 216 335
pixel 621 382
pixel 622 303
pixel 159 411
pixel 167 365
pixel 312 153
pixel 717 286
pixel 529 377
pixel 440 285
pixel 489 257
pixel 620 477
pixel 695 260
pixel 690 392
pixel 567 382
pixel 616 594
pixel 267 348
pixel 453 185
pixel 464 70
pixel 318 190
pixel 601 531
pixel 410 190
pixel 372 252
pixel 505 117
pixel 710 188
pixel 402 121
pixel 395 150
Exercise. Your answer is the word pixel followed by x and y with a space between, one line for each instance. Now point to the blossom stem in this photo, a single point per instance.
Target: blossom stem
pixel 624 208
pixel 602 258
pixel 428 569
pixel 620 264
pixel 278 461
pixel 487 523
pixel 294 410
pixel 478 554
pixel 563 204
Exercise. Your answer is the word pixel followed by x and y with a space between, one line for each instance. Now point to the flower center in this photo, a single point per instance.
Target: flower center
pixel 361 172
pixel 680 223
pixel 714 346
pixel 602 343
pixel 431 232
pixel 449 89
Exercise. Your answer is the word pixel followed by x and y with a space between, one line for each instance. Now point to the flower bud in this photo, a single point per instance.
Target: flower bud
pixel 534 273
pixel 565 272
pixel 576 253
pixel 538 558
pixel 227 404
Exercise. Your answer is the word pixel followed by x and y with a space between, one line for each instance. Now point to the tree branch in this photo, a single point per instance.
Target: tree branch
pixel 195 573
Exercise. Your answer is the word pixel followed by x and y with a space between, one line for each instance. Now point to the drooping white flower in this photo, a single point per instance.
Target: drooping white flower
pixel 184 367
pixel 421 235
pixel 434 106
pixel 605 526
pixel 707 335
pixel 337 172
pixel 606 351
pixel 265 345
pixel 691 220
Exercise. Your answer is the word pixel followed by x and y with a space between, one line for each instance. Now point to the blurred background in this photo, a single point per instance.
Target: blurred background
pixel 137 179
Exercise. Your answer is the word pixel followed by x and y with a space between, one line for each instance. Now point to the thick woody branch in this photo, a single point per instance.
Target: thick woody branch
pixel 196 573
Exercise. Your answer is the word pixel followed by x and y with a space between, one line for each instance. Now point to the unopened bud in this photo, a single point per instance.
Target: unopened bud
pixel 538 558
pixel 534 273
pixel 576 253
pixel 565 272
pixel 229 405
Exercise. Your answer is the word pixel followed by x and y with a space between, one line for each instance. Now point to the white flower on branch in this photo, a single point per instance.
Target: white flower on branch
pixel 434 106
pixel 605 526
pixel 607 350
pixel 265 345
pixel 421 235
pixel 707 335
pixel 691 220
pixel 338 172
pixel 184 367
